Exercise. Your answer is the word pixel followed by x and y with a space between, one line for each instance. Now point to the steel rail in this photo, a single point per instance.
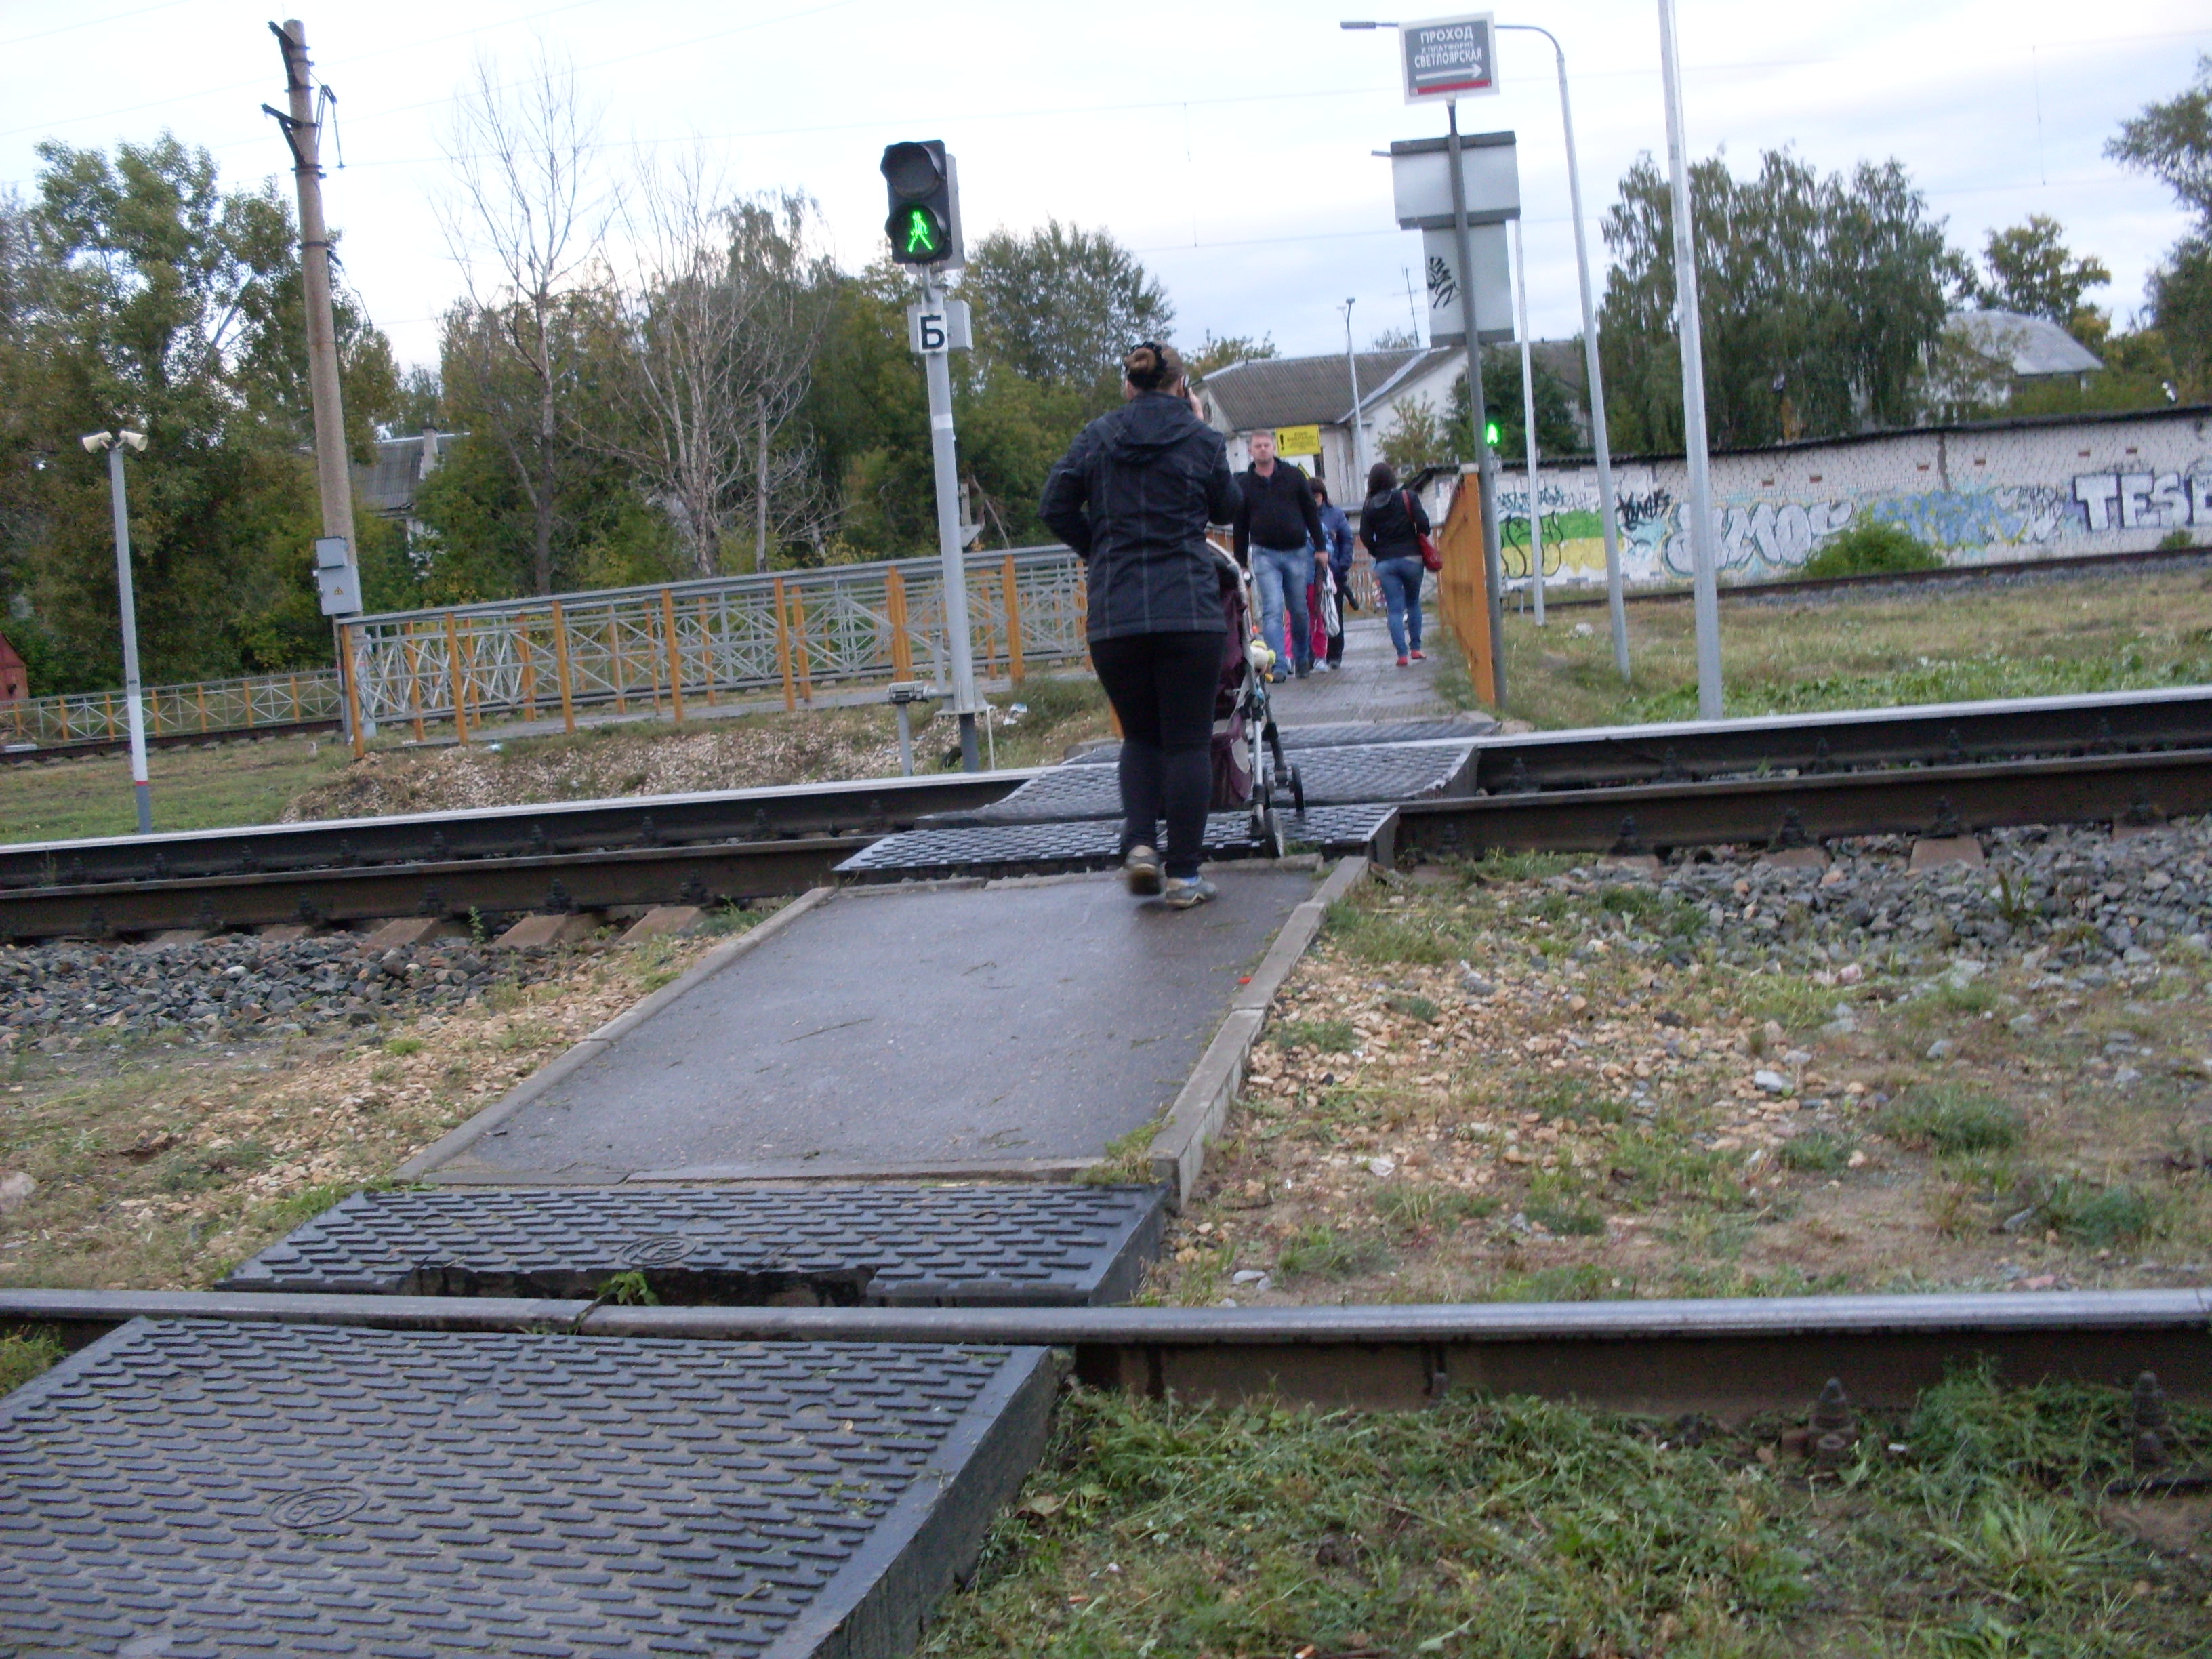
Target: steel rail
pixel 872 806
pixel 1918 734
pixel 1729 1356
pixel 1791 812
pixel 26 754
pixel 699 874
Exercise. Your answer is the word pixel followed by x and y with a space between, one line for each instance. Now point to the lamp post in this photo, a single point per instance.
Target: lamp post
pixel 1601 445
pixel 115 443
pixel 1359 427
pixel 1703 566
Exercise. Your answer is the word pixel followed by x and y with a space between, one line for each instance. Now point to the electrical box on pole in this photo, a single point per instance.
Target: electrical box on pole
pixel 924 230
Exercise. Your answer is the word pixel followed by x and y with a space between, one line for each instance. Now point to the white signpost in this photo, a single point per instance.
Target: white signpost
pixel 931 330
pixel 1451 58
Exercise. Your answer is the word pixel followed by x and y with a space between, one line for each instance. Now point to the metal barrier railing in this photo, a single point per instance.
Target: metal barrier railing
pixel 206 708
pixel 657 649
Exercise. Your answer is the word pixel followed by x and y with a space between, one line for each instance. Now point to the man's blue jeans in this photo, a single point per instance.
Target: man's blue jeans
pixel 1281 575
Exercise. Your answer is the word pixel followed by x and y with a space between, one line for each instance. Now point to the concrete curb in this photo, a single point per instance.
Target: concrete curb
pixel 459 1140
pixel 1178 1151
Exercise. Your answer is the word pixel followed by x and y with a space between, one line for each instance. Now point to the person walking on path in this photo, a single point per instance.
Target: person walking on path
pixel 1391 523
pixel 1336 546
pixel 1133 496
pixel 1278 535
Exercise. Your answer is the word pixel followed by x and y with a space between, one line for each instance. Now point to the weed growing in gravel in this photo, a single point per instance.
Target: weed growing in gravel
pixel 1317 1251
pixel 1944 1118
pixel 1376 936
pixel 1817 1153
pixel 1416 1207
pixel 2085 1213
pixel 1331 1036
pixel 1519 1529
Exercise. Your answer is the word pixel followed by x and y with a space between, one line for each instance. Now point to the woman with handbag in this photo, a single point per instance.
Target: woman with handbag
pixel 1395 529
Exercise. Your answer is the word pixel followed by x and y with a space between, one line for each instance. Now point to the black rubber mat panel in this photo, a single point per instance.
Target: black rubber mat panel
pixel 1338 734
pixel 197 1490
pixel 1095 843
pixel 900 1244
pixel 1344 776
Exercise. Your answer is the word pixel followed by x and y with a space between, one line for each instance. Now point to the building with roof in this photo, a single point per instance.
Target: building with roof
pixel 1284 394
pixel 2018 349
pixel 387 486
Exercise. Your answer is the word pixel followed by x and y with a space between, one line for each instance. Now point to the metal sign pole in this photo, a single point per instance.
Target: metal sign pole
pixel 938 366
pixel 1705 584
pixel 1529 429
pixel 1486 464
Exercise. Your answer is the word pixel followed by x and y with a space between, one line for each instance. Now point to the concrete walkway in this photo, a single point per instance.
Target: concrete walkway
pixel 1369 686
pixel 1017 1028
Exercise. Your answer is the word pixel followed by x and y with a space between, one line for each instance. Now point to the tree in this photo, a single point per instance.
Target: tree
pixel 524 226
pixel 712 355
pixel 2172 142
pixel 1421 434
pixel 1063 305
pixel 1218 353
pixel 2032 272
pixel 137 289
pixel 1819 297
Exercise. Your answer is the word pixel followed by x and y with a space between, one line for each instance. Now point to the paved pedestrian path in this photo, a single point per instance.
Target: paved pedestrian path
pixel 1017 1028
pixel 1369 686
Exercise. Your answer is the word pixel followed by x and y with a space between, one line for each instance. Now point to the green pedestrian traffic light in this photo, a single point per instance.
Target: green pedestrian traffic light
pixel 1489 432
pixel 924 225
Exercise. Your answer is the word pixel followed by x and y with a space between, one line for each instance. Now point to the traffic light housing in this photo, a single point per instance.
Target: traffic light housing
pixel 924 182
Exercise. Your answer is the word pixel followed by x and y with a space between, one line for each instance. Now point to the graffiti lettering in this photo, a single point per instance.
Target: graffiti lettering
pixel 2144 500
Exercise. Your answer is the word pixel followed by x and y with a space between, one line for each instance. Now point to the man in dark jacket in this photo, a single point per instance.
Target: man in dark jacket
pixel 1132 496
pixel 1278 534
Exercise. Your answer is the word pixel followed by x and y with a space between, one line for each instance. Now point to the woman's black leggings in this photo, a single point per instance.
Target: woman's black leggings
pixel 1162 686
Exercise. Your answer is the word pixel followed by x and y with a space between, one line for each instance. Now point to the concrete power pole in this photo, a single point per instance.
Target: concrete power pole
pixel 333 477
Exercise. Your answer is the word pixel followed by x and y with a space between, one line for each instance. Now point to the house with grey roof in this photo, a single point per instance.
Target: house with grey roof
pixel 1282 394
pixel 387 486
pixel 2008 350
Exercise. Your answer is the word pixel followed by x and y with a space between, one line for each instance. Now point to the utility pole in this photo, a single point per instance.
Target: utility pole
pixel 333 477
pixel 1704 577
pixel 1528 428
pixel 1358 480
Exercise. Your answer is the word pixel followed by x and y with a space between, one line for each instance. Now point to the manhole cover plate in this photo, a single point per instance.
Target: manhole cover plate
pixel 901 1242
pixel 199 1490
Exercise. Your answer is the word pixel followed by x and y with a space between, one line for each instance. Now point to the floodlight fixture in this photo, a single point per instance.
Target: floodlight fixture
pixel 96 441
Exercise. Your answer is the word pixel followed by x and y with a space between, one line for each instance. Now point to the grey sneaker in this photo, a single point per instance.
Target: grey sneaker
pixel 1140 868
pixel 1187 892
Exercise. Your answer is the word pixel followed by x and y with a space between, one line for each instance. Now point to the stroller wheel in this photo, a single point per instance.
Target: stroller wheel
pixel 1297 792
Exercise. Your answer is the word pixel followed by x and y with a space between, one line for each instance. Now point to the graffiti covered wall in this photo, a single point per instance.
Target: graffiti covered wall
pixel 1999 492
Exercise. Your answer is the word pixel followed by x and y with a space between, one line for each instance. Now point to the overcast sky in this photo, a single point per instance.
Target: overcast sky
pixel 1228 145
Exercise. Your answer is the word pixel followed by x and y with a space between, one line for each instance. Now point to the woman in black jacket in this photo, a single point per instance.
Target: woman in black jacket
pixel 1391 523
pixel 1132 496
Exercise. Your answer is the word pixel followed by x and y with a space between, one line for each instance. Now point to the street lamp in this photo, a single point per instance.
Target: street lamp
pixel 115 443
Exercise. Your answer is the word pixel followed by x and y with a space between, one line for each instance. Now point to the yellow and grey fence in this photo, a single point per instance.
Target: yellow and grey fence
pixel 667 649
pixel 202 708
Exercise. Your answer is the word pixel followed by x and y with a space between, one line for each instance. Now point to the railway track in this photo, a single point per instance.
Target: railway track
pixel 1733 1357
pixel 1939 770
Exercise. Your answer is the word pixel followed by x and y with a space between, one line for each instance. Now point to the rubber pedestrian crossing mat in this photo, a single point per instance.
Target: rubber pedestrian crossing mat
pixel 1338 776
pixel 1095 843
pixel 883 1244
pixel 198 1490
pixel 1341 734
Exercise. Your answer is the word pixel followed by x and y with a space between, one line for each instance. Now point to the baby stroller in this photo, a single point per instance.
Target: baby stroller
pixel 1248 769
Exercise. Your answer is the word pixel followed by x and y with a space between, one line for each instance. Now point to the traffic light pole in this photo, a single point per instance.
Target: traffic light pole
pixel 1485 463
pixel 938 365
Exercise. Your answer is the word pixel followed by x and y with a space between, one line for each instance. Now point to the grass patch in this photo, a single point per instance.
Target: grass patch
pixel 1567 1219
pixel 2083 1213
pixel 404 1045
pixel 1817 1153
pixel 1413 1207
pixel 1945 1118
pixel 24 1355
pixel 1128 1160
pixel 193 788
pixel 1331 1036
pixel 1790 1001
pixel 1525 1529
pixel 1374 936
pixel 1316 1251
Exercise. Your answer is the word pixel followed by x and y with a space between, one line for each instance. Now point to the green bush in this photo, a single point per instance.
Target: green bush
pixel 1945 1119
pixel 1872 550
pixel 2175 540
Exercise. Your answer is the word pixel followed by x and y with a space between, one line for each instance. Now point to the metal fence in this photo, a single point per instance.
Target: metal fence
pixel 205 707
pixel 665 648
